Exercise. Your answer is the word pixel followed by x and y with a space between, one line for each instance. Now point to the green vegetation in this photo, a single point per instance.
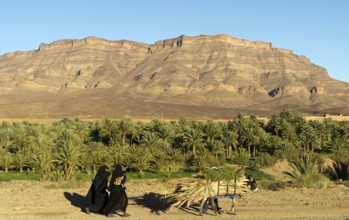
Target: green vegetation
pixel 13 175
pixel 258 175
pixel 74 149
pixel 339 170
pixel 307 173
pixel 221 174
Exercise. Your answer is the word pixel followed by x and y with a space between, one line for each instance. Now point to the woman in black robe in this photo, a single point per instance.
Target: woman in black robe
pixel 97 195
pixel 118 198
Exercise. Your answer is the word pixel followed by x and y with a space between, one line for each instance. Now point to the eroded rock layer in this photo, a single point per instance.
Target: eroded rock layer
pixel 203 76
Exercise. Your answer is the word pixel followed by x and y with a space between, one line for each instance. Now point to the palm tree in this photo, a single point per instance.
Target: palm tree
pixel 344 129
pixel 166 133
pixel 18 139
pixel 193 138
pixel 263 138
pixel 37 144
pixel 300 123
pixel 274 142
pixel 20 159
pixel 137 132
pixel 250 138
pixel 96 155
pixel 43 162
pixel 287 115
pixel 65 123
pixel 119 153
pixel 5 133
pixel 239 125
pixel 125 128
pixel 108 129
pixel 68 152
pixel 329 127
pixel 201 161
pixel 217 148
pixel 308 138
pixel 176 159
pixel 289 134
pixel 160 162
pixel 273 126
pixel 6 160
pixel 142 158
pixel 230 141
pixel 150 141
pixel 183 124
pixel 82 130
pixel 154 125
pixel 320 132
pixel 211 131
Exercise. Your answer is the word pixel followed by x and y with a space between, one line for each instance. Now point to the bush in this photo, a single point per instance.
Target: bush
pixel 290 153
pixel 338 171
pixel 340 155
pixel 257 174
pixel 276 185
pixel 265 160
pixel 316 181
pixel 56 175
pixel 306 173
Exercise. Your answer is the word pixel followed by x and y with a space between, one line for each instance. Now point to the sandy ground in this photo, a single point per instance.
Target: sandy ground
pixel 36 200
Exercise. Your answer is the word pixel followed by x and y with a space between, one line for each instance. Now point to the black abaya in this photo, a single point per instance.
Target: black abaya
pixel 97 195
pixel 118 198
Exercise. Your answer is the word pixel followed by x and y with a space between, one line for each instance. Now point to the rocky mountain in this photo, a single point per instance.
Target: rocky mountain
pixel 207 77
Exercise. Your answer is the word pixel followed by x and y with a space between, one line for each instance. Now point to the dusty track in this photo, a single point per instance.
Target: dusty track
pixel 33 200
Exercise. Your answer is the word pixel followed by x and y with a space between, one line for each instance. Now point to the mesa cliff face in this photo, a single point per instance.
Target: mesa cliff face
pixel 208 76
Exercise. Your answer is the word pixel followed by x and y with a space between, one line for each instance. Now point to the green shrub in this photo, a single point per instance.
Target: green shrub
pixel 276 185
pixel 340 155
pixel 339 170
pixel 56 175
pixel 315 180
pixel 257 174
pixel 306 173
pixel 290 153
pixel 265 160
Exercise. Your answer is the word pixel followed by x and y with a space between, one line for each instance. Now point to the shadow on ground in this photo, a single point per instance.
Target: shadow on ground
pixel 76 200
pixel 158 203
pixel 155 202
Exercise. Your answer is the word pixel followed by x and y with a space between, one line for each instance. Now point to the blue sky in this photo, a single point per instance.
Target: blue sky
pixel 318 29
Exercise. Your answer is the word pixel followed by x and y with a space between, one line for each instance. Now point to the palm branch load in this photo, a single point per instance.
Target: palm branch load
pixel 225 182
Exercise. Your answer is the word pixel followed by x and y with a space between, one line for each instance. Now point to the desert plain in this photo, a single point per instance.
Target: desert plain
pixel 33 200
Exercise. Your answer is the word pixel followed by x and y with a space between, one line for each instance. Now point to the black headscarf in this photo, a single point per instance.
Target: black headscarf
pixel 118 172
pixel 102 171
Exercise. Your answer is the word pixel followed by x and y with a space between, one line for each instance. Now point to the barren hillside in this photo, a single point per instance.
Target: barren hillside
pixel 207 77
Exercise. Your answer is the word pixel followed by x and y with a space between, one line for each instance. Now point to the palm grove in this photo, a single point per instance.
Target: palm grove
pixel 69 146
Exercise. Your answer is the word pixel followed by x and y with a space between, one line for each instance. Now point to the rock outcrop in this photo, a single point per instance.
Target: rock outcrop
pixel 215 75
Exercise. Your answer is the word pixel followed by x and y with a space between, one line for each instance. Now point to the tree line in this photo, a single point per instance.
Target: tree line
pixel 60 150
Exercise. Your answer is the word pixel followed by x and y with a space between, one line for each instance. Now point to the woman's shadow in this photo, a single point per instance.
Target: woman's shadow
pixel 77 200
pixel 155 202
